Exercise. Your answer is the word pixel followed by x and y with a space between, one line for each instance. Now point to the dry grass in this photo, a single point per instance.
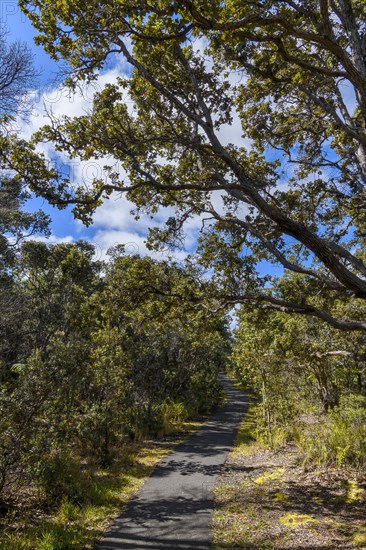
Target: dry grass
pixel 267 500
pixel 29 525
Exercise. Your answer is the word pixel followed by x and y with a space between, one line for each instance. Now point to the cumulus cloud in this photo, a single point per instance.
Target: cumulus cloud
pixel 59 100
pixel 112 222
pixel 54 239
pixel 134 244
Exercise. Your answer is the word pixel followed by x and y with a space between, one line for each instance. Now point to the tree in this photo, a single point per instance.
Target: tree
pixel 15 223
pixel 298 366
pixel 157 348
pixel 98 356
pixel 17 75
pixel 294 74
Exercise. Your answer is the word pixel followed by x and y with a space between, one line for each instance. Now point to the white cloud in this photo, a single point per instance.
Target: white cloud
pixel 115 213
pixel 113 222
pixel 53 239
pixel 134 244
pixel 59 101
pixel 348 95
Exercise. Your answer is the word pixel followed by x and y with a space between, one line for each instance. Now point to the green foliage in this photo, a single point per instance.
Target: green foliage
pixel 61 478
pixel 340 437
pixel 15 222
pixel 93 354
pixel 173 416
pixel 309 382
pixel 291 189
pixel 106 491
pixel 260 351
pixel 112 353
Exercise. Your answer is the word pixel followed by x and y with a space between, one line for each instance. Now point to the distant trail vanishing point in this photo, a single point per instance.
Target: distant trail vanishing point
pixel 173 509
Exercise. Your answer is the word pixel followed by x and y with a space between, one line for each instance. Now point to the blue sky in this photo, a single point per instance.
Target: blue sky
pixel 113 223
pixel 19 28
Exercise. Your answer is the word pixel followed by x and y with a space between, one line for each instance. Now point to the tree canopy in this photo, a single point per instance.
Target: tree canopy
pixel 17 75
pixel 292 72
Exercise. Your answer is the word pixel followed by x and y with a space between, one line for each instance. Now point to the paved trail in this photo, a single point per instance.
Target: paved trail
pixel 173 509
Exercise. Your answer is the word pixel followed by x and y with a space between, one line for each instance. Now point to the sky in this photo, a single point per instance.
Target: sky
pixel 63 226
pixel 112 223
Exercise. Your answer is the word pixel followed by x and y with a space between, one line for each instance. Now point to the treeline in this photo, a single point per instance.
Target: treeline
pixel 308 379
pixel 93 354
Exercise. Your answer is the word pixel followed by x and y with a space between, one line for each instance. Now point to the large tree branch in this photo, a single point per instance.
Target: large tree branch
pixel 248 189
pixel 321 248
pixel 172 97
pixel 341 353
pixel 265 301
pixel 347 16
pixel 324 12
pixel 325 42
pixel 278 255
pixel 328 108
pixel 270 302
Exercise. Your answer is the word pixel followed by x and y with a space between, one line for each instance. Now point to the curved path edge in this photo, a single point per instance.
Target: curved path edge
pixel 174 507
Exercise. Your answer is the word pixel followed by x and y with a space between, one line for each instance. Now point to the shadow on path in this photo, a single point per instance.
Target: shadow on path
pixel 173 509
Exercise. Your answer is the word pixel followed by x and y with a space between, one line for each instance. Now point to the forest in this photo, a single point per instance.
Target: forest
pixel 243 126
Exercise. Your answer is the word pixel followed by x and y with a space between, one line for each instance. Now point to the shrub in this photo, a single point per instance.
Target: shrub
pixel 61 478
pixel 173 416
pixel 339 437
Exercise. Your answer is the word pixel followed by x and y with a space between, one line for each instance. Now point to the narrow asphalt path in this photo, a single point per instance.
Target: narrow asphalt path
pixel 173 509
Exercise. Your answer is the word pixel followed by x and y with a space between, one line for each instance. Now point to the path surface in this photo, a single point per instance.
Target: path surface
pixel 173 509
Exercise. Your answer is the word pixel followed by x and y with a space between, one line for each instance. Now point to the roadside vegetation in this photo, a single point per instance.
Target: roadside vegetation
pixel 242 126
pixel 310 384
pixel 86 497
pixel 96 359
pixel 296 477
pixel 269 499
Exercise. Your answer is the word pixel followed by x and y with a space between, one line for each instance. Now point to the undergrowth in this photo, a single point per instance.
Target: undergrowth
pixel 86 499
pixel 337 438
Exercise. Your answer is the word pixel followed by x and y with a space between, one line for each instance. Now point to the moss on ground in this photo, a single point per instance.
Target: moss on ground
pixel 293 520
pixel 275 475
pixel 266 500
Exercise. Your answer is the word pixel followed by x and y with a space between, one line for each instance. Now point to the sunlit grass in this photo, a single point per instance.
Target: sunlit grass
pixel 74 526
pixel 245 442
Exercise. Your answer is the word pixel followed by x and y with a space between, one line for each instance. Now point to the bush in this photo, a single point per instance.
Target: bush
pixel 338 438
pixel 61 477
pixel 173 416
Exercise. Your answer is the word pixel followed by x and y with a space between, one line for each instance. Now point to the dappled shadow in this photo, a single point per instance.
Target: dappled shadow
pixel 316 498
pixel 164 523
pixel 173 510
pixel 314 495
pixel 135 542
pixel 313 499
pixel 323 507
pixel 187 468
pixel 264 546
